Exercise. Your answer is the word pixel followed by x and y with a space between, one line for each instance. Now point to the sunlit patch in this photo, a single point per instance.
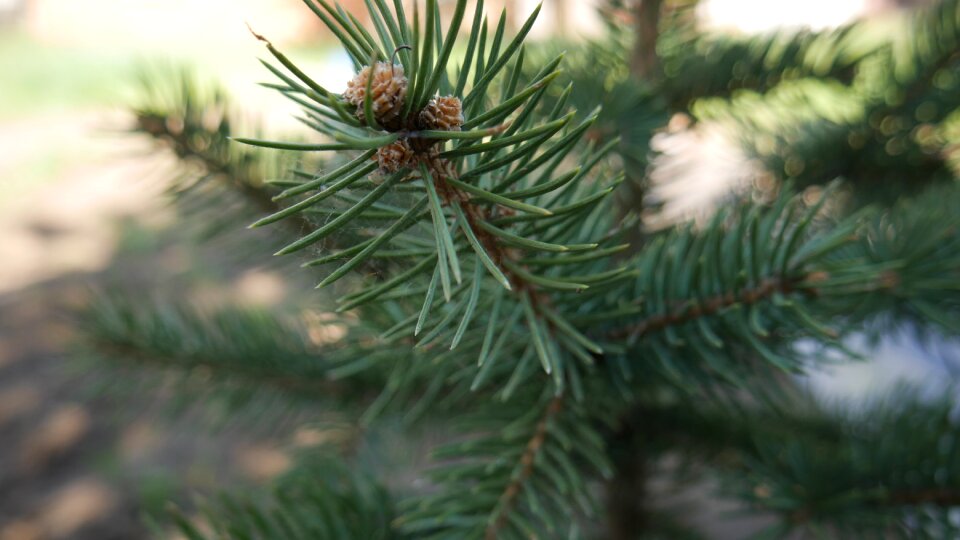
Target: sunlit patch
pixel 762 15
pixel 21 530
pixel 138 440
pixel 17 401
pixel 321 328
pixel 76 505
pixel 260 288
pixel 58 433
pixel 261 462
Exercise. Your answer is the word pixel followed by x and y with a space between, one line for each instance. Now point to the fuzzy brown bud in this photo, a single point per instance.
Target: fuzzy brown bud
pixel 387 91
pixel 395 156
pixel 443 113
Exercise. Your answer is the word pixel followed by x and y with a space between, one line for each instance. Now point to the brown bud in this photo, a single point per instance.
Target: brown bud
pixel 387 91
pixel 443 113
pixel 395 156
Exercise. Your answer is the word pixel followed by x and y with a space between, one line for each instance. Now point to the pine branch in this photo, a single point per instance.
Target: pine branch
pixel 688 312
pixel 485 174
pixel 874 474
pixel 186 147
pixel 239 373
pixel 318 500
pixel 702 65
pixel 819 467
pixel 526 463
pixel 790 273
pixel 883 133
pixel 240 352
pixel 196 125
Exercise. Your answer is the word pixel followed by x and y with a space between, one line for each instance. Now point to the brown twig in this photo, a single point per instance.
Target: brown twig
pixel 509 495
pixel 940 497
pixel 441 169
pixel 943 497
pixel 690 310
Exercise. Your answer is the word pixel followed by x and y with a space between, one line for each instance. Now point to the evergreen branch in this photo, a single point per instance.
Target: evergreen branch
pixel 887 500
pixel 181 120
pixel 821 466
pixel 241 349
pixel 529 288
pixel 694 298
pixel 317 500
pixel 526 463
pixel 883 133
pixel 797 279
pixel 860 476
pixel 699 65
pixel 495 247
pixel 246 375
pixel 455 184
pixel 690 311
pixel 188 147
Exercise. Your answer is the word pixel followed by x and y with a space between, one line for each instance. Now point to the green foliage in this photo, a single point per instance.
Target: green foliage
pixel 914 251
pixel 231 341
pixel 883 131
pixel 528 468
pixel 485 275
pixel 598 71
pixel 883 470
pixel 869 102
pixel 317 500
pixel 699 64
pixel 248 354
pixel 887 470
pixel 477 195
pixel 195 121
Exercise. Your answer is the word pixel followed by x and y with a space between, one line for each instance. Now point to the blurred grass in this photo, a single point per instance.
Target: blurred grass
pixel 40 78
pixel 52 97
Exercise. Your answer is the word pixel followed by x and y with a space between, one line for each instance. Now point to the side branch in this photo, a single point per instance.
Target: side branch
pixel 691 310
pixel 534 445
pixel 942 498
pixel 239 373
pixel 186 148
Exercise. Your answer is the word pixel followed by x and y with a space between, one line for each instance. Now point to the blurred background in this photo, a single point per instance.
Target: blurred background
pixel 85 205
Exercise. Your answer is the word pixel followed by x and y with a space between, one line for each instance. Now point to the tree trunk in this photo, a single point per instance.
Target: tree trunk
pixel 645 63
pixel 626 491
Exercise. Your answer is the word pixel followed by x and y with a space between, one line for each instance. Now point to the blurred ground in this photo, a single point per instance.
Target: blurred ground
pixel 76 464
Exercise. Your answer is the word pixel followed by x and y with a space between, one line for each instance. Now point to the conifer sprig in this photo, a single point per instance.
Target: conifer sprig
pixel 480 157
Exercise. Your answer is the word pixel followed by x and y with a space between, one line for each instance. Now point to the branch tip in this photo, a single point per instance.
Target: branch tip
pixel 256 35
